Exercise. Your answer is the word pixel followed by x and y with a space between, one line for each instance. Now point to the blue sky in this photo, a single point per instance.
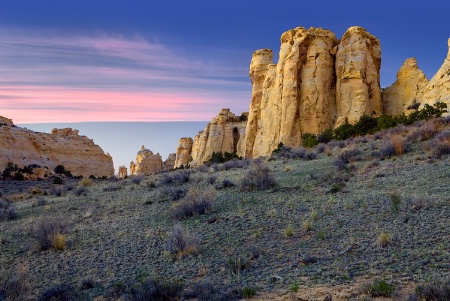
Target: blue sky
pixel 69 61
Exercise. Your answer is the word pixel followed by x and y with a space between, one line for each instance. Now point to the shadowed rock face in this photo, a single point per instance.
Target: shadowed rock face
pixel 406 90
pixel 438 89
pixel 147 163
pixel 78 154
pixel 224 133
pixel 358 61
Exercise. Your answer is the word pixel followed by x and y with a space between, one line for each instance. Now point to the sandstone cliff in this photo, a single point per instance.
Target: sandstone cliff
pixel 123 172
pixel 358 62
pixel 224 133
pixel 147 163
pixel 294 96
pixel 79 154
pixel 183 154
pixel 406 90
pixel 170 162
pixel 438 89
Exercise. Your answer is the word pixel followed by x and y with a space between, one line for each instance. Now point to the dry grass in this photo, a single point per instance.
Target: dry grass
pixel 399 144
pixel 384 239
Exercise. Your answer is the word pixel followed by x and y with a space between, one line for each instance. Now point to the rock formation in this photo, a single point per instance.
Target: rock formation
pixel 224 133
pixel 183 154
pixel 358 62
pixel 296 95
pixel 406 90
pixel 123 172
pixel 170 162
pixel 78 154
pixel 147 163
pixel 438 89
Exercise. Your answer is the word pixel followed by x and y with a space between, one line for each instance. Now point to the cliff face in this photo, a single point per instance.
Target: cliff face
pixel 406 90
pixel 438 89
pixel 294 96
pixel 78 154
pixel 224 133
pixel 183 154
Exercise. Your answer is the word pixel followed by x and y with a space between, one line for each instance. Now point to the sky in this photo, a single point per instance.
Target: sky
pixel 158 61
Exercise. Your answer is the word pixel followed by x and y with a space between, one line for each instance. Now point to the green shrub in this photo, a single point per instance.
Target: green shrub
pixel 344 131
pixel 380 288
pixel 248 292
pixel 309 140
pixel 365 125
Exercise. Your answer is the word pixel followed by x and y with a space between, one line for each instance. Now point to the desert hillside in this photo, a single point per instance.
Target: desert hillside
pixel 366 218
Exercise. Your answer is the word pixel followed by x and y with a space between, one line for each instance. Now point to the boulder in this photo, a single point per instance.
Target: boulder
pixel 406 90
pixel 147 163
pixel 78 154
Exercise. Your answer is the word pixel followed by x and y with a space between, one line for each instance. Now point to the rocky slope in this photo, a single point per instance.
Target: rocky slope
pixel 78 154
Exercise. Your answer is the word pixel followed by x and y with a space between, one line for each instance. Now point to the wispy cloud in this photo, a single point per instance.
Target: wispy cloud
pixel 106 77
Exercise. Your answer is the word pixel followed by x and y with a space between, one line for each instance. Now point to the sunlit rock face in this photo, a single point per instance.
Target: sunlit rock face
pixel 78 154
pixel 438 89
pixel 295 96
pixel 358 61
pixel 147 163
pixel 183 153
pixel 406 90
pixel 225 133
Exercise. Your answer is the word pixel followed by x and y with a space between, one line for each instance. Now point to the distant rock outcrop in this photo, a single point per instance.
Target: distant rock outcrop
pixel 123 172
pixel 170 162
pixel 78 154
pixel 183 154
pixel 438 89
pixel 406 90
pixel 224 133
pixel 147 163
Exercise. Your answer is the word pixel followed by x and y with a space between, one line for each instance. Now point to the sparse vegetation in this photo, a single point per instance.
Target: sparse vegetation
pixel 437 290
pixel 180 243
pixel 195 202
pixel 49 234
pixel 258 177
pixel 380 288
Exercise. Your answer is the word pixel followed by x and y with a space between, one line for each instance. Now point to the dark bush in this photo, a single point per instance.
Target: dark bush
pixel 326 136
pixel 236 264
pixel 227 183
pixel 235 163
pixel 344 131
pixel 110 188
pixel 296 153
pixel 18 176
pixel 45 232
pixel 258 177
pixel 211 180
pixel 137 179
pixel 7 211
pixel 81 190
pixel 387 149
pixel 58 190
pixel 155 290
pixel 440 145
pixel 220 157
pixel 347 157
pixel 14 286
pixel 62 292
pixel 175 178
pixel 171 193
pixel 57 180
pixel 195 202
pixel 365 125
pixel 180 242
pixel 434 291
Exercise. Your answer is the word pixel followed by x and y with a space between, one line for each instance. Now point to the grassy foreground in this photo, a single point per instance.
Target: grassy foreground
pixel 367 218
